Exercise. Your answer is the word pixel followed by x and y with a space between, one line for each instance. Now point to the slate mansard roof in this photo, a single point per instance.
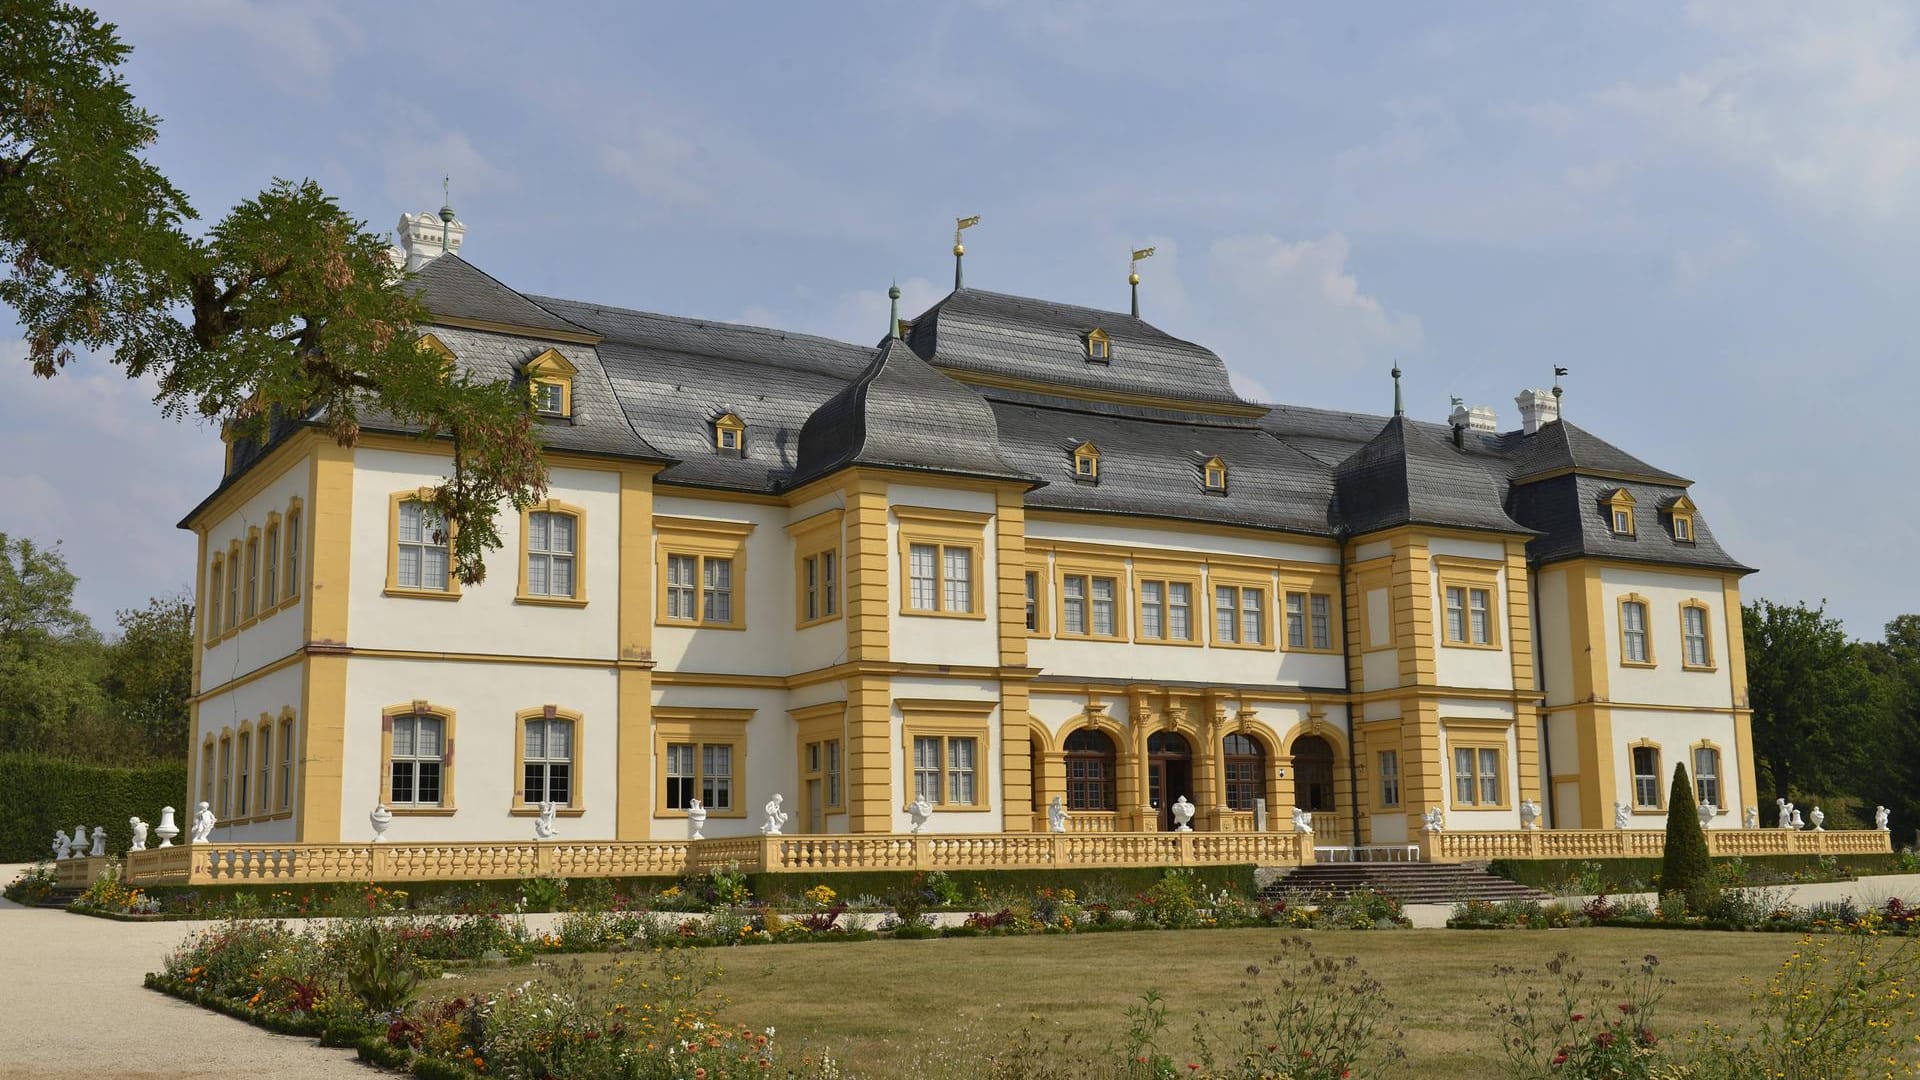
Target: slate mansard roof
pixel 984 384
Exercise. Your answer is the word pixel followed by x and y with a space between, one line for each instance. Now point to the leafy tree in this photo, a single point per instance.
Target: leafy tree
pixel 149 673
pixel 1685 867
pixel 286 308
pixel 1895 661
pixel 1820 716
pixel 49 652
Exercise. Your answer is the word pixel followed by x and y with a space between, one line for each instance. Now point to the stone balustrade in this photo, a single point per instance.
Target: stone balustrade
pixel 1463 846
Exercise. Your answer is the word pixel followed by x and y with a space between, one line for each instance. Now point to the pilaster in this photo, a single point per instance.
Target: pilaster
pixel 322 722
pixel 633 815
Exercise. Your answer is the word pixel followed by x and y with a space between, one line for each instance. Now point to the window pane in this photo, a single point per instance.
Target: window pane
pixel 926 768
pixel 1252 617
pixel 1490 777
pixel 1463 776
pixel 403 736
pixel 1322 623
pixel 402 786
pixel 719 590
pixel 1103 620
pixel 1296 620
pixel 959 578
pixel 1152 610
pixel 1456 614
pixel 921 559
pixel 561 576
pixel 1225 612
pixel 427 740
pixel 960 770
pixel 1179 612
pixel 560 739
pixel 1481 626
pixel 536 740
pixel 428 783
pixel 828 582
pixel 1073 592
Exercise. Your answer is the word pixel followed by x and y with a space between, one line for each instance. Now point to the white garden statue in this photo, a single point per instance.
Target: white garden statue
pixel 1302 821
pixel 99 841
pixel 1819 819
pixel 166 830
pixel 1786 813
pixel 1752 819
pixel 1529 814
pixel 203 823
pixel 1182 814
pixel 1620 812
pixel 1880 816
pixel 1706 812
pixel 696 819
pixel 776 816
pixel 1057 816
pixel 381 819
pixel 62 847
pixel 919 812
pixel 139 834
pixel 543 827
pixel 1432 821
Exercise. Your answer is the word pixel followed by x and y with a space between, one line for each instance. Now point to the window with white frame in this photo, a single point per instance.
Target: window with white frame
pixel 1476 776
pixel 551 548
pixel 940 578
pixel 1389 777
pixel 253 577
pixel 716 590
pixel 716 776
pixel 682 593
pixel 1104 622
pixel 421 548
pixel 1633 631
pixel 1706 776
pixel 1166 610
pixel 263 799
pixel 926 768
pixel 946 769
pixel 242 793
pixel 285 786
pixel 418 761
pixel 270 568
pixel 1033 601
pixel 1073 604
pixel 1469 615
pixel 1646 777
pixel 1693 619
pixel 1239 615
pixel 226 775
pixel 547 761
pixel 292 581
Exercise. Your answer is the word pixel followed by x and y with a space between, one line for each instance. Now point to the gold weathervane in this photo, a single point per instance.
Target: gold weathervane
pixel 1133 267
pixel 961 225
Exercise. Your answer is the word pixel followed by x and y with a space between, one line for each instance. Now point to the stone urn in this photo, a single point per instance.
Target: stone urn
pixel 166 830
pixel 382 820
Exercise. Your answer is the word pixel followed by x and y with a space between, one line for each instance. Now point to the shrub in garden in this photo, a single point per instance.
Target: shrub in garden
pixel 1301 1016
pixel 543 893
pixel 1579 1028
pixel 381 969
pixel 1171 902
pixel 1685 867
pixel 33 885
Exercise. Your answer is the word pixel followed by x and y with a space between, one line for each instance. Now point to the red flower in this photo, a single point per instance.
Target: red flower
pixel 1560 1058
pixel 1577 1017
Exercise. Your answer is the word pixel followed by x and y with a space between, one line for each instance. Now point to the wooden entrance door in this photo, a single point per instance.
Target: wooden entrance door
pixel 1169 774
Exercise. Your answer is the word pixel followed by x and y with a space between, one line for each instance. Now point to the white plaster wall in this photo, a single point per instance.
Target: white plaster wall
pixel 1380 670
pixel 485 619
pixel 1458 666
pixel 272 636
pixel 772 761
pixel 1676 732
pixel 936 639
pixel 1565 744
pixel 1373 549
pixel 765 646
pixel 484 697
pixel 1553 631
pixel 1668 683
pixel 223 713
pixel 1466 818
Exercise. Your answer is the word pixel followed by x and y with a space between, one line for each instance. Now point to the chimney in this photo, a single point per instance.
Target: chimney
pixel 1482 418
pixel 1537 409
pixel 427 235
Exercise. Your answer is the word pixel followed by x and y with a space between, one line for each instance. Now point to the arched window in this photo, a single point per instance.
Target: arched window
pixel 1246 765
pixel 1090 770
pixel 1313 774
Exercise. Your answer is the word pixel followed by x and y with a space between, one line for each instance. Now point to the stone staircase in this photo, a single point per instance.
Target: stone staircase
pixel 1411 883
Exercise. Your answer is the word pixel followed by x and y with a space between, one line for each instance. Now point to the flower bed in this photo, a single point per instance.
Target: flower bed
pixel 1750 909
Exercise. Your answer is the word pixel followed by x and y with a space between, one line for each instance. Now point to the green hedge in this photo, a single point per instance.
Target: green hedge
pixel 1621 874
pixel 41 794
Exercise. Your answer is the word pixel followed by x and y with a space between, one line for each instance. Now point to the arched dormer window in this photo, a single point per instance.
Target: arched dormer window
pixel 1086 463
pixel 730 435
pixel 1680 519
pixel 1099 347
pixel 1214 476
pixel 550 381
pixel 439 350
pixel 1619 504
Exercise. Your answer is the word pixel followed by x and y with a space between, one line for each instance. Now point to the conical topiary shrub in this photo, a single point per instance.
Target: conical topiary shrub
pixel 1686 868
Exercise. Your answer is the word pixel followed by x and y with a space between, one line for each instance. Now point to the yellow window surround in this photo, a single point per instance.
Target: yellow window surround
pixel 1719 772
pixel 1149 574
pixel 1680 519
pixel 1468 587
pixel 817 569
pixel 1074 601
pixel 1386 789
pixel 1707 663
pixel 424 496
pixel 550 380
pixel 1478 772
pixel 1658 789
pixel 1244 580
pixel 272 593
pixel 1316 592
pixel 730 434
pixel 815 727
pixel 578 598
pixel 1099 346
pixel 446 716
pixel 1214 474
pixel 947 722
pixel 1644 616
pixel 1035 581
pixel 944 531
pixel 683 602
pixel 1620 505
pixel 292 542
pixel 432 345
pixel 1086 463
pixel 576 797
pixel 285 778
pixel 216 587
pixel 701 728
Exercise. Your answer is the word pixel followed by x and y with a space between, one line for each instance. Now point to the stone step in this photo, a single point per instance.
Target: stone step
pixel 1411 883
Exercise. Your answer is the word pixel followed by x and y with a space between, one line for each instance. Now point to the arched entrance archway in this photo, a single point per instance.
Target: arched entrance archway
pixel 1313 774
pixel 1169 773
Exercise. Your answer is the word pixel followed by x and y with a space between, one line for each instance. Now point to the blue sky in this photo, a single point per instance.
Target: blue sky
pixel 1709 214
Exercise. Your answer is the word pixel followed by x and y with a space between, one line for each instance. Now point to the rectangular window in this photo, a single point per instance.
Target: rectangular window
pixel 293 554
pixel 716 593
pixel 1623 522
pixel 829 583
pixel 940 578
pixel 1389 778
pixel 1179 611
pixel 1477 780
pixel 1322 621
pixel 1073 604
pixel 682 775
pixel 1694 620
pixel 1464 787
pixel 923 576
pixel 1479 616
pixel 418 758
pixel 926 768
pixel 1489 776
pixel 550 553
pixel 681 570
pixel 421 555
pixel 960 772
pixel 253 578
pixel 1683 529
pixel 1226 613
pixel 833 772
pixel 1296 620
pixel 1153 610
pixel 1633 631
pixel 214 579
pixel 1104 624
pixel 270 568
pixel 1033 602
pixel 549 397
pixel 1456 613
pixel 1253 620
pixel 242 796
pixel 233 587
pixel 263 799
pixel 958 578
pixel 716 776
pixel 1646 777
pixel 1706 775
pixel 810 588
pixel 286 765
pixel 547 760
pixel 226 775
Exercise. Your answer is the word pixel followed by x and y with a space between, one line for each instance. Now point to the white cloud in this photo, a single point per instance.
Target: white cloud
pixel 1695 266
pixel 293 44
pixel 861 316
pixel 1307 303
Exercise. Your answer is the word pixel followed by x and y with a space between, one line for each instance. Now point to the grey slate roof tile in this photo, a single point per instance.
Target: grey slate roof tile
pixel 1406 476
pixel 452 286
pixel 1569 512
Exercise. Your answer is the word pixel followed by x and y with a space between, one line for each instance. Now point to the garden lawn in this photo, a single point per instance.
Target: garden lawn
pixel 902 1008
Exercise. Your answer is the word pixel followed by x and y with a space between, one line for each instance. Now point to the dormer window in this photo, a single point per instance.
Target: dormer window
pixel 550 382
pixel 730 435
pixel 1619 506
pixel 1215 474
pixel 1099 349
pixel 1680 513
pixel 1086 463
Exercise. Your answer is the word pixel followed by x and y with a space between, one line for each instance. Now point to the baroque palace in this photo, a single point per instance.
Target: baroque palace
pixel 1018 550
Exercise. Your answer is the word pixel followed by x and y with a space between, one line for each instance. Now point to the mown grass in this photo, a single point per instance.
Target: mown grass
pixel 901 1008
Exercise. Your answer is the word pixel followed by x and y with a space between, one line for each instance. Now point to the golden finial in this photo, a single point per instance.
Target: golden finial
pixel 960 225
pixel 1133 276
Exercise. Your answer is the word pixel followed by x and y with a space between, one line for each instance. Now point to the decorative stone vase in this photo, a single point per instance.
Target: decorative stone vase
pixel 166 830
pixel 382 819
